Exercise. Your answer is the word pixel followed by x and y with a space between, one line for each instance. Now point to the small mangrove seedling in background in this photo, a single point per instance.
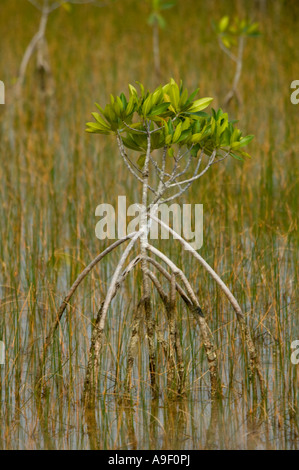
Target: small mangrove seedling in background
pixel 172 144
pixel 156 20
pixel 38 44
pixel 231 36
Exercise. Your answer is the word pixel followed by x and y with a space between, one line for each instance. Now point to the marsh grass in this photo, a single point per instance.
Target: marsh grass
pixel 52 178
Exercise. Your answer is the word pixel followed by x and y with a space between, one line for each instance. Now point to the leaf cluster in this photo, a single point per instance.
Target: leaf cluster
pixel 171 117
pixel 229 31
pixel 156 16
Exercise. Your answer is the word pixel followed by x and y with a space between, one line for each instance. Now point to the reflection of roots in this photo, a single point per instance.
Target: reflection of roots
pixel 171 346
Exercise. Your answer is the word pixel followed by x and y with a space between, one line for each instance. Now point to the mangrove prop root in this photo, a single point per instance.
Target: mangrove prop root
pixel 91 378
pixel 246 335
pixel 133 345
pixel 69 295
pixel 168 347
pixel 206 334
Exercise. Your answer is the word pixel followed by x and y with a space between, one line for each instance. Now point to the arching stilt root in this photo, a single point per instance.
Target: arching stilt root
pixel 65 303
pixel 175 349
pixel 255 367
pixel 91 378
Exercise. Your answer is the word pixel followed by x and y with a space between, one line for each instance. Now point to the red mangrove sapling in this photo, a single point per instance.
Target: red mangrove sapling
pixel 167 142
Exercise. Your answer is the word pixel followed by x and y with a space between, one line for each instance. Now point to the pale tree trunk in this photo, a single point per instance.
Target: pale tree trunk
pixel 239 64
pixel 38 40
pixel 145 281
pixel 156 51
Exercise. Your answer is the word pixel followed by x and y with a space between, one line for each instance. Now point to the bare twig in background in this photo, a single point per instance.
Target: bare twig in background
pixel 38 38
pixel 239 63
pixel 38 44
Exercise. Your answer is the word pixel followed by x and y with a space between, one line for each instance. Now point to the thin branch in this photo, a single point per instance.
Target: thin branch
pixel 133 129
pixel 158 286
pixel 186 167
pixel 221 159
pixel 125 159
pixel 164 158
pixel 177 271
pixel 160 173
pixel 162 127
pixel 196 177
pixel 126 272
pixel 183 190
pixel 168 277
pixel 165 186
pixel 227 51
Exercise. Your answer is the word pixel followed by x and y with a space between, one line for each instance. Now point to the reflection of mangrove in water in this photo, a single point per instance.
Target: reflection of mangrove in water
pixel 139 422
pixel 167 426
pixel 173 426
